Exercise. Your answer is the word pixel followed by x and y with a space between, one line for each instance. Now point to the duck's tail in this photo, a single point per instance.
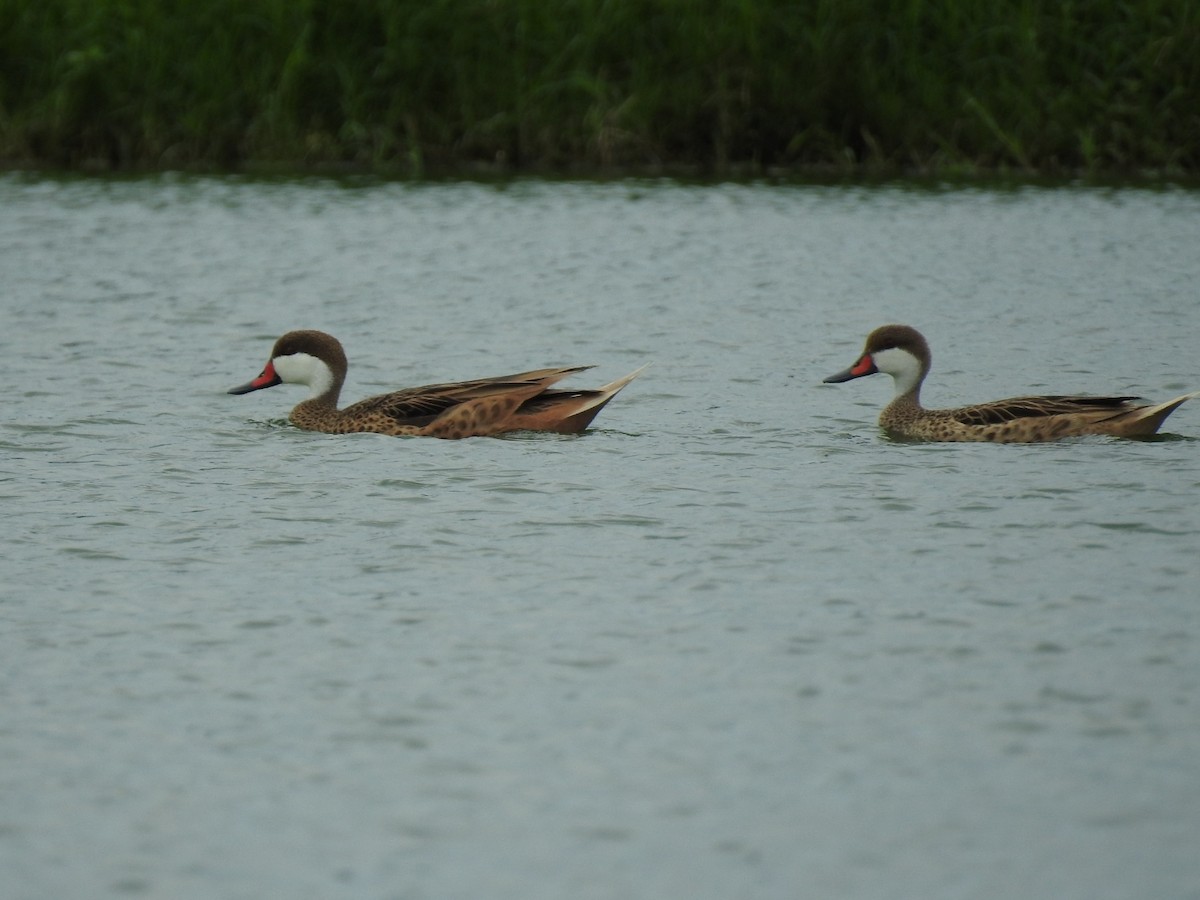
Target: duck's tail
pixel 1143 421
pixel 566 411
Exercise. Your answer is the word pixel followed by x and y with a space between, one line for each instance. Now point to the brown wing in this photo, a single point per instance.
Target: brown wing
pixel 1033 407
pixel 419 406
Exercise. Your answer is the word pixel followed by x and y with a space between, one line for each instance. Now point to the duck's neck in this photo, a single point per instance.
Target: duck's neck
pixel 907 373
pixel 318 413
pixel 320 408
pixel 326 401
pixel 908 396
pixel 322 380
pixel 905 409
pixel 326 387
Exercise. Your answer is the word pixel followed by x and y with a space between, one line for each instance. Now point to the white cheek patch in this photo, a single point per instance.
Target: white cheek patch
pixel 301 368
pixel 904 368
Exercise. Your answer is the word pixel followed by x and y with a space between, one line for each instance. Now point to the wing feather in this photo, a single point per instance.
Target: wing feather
pixel 421 405
pixel 1035 407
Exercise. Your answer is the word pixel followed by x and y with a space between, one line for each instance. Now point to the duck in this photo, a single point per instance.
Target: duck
pixel 485 406
pixel 902 352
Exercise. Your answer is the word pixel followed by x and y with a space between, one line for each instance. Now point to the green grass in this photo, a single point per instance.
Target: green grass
pixel 714 86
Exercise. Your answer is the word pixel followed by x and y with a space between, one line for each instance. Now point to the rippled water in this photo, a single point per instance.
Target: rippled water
pixel 730 643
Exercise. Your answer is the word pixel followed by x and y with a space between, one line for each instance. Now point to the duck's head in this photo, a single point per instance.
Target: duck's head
pixel 897 350
pixel 312 358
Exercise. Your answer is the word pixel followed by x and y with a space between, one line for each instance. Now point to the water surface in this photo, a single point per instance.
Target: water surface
pixel 730 643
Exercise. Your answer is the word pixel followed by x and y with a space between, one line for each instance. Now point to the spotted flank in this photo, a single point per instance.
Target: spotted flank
pixel 485 406
pixel 903 353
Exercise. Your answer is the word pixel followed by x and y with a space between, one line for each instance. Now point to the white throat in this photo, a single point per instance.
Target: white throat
pixel 301 368
pixel 904 368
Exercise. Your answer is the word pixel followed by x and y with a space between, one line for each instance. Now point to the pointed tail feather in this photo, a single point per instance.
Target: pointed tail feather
pixel 610 389
pixel 1146 420
pixel 568 412
pixel 578 421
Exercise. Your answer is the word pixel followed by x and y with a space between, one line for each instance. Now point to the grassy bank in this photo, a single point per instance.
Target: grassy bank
pixel 714 85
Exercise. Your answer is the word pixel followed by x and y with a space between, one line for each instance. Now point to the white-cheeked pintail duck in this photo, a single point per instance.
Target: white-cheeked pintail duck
pixel 902 352
pixel 485 406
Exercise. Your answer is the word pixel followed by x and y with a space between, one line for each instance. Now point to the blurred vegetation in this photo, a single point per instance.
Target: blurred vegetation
pixel 714 86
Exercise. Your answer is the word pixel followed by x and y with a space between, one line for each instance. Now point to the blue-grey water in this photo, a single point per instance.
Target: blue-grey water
pixel 731 643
